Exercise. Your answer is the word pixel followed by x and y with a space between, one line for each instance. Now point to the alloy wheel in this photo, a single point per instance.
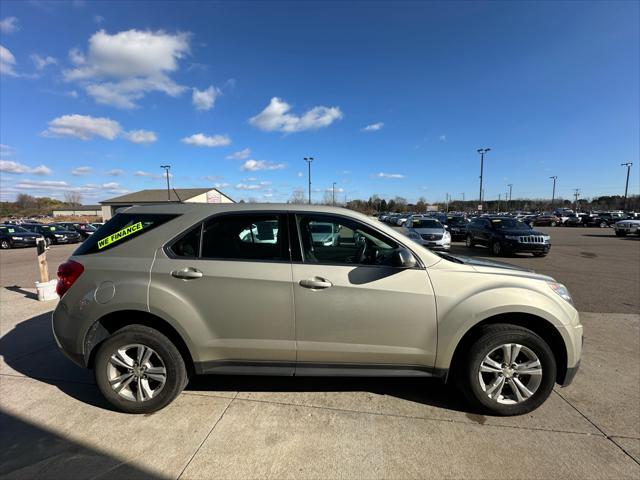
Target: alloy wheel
pixel 136 372
pixel 510 373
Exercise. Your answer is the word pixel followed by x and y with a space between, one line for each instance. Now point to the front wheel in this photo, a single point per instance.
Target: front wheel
pixel 469 242
pixel 5 244
pixel 139 370
pixel 603 225
pixel 553 224
pixel 509 370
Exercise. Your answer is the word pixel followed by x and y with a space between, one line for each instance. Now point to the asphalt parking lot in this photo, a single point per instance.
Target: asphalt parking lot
pixel 54 423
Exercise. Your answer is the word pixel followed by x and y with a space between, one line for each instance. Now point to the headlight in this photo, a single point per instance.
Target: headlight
pixel 16 238
pixel 58 235
pixel 511 237
pixel 561 290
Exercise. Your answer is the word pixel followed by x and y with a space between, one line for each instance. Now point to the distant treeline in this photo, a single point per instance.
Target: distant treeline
pixel 399 204
pixel 27 205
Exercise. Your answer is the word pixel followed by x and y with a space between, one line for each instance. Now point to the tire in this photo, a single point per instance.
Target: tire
pixel 621 234
pixel 508 402
pixel 603 225
pixel 539 254
pixel 47 241
pixel 164 355
pixel 469 241
pixel 5 244
pixel 553 224
pixel 496 248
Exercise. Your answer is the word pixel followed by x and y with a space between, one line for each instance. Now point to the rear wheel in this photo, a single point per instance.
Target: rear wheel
pixel 553 224
pixel 603 225
pixel 509 370
pixel 5 244
pixel 496 248
pixel 139 370
pixel 469 241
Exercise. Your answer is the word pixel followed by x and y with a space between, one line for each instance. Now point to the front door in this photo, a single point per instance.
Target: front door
pixel 352 307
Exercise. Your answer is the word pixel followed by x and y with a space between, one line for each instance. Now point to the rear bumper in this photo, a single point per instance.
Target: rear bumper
pixel 66 336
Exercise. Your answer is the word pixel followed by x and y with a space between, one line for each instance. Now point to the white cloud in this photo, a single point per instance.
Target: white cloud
pixel 79 171
pixel 42 62
pixel 98 19
pixel 121 69
pixel 276 117
pixel 9 25
pixel 255 165
pixel 49 187
pixel 72 94
pixel 6 151
pixel 205 99
pixel 8 166
pixel 443 138
pixel 116 172
pixel 389 175
pixel 83 127
pixel 300 174
pixel 240 155
pixel 202 140
pixel 221 185
pixel 111 185
pixel 244 186
pixel 7 62
pixel 140 136
pixel 373 127
pixel 141 173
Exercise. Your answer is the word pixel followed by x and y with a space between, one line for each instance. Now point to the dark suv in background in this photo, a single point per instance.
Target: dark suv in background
pixel 83 228
pixel 53 234
pixel 505 235
pixel 457 226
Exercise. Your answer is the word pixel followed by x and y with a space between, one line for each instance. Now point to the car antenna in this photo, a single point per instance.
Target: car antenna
pixel 177 196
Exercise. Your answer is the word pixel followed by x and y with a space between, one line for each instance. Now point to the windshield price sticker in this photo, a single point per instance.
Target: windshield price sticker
pixel 119 235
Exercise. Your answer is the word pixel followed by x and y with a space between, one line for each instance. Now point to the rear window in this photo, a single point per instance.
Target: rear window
pixel 120 229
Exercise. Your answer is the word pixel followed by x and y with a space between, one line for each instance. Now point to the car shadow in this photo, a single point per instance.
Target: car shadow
pixel 28 450
pixel 30 350
pixel 483 252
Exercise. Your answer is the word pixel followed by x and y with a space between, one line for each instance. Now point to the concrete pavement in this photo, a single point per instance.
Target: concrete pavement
pixel 54 423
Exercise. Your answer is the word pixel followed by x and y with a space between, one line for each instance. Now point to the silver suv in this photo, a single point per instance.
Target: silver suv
pixel 160 293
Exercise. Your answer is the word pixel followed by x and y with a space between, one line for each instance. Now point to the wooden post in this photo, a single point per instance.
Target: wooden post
pixel 41 250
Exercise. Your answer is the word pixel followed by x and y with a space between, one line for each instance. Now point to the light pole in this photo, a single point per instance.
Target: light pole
pixel 482 151
pixel 553 194
pixel 166 171
pixel 333 194
pixel 510 185
pixel 626 186
pixel 309 160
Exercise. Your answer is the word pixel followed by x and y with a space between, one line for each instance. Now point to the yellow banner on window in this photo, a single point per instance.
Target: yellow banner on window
pixel 119 235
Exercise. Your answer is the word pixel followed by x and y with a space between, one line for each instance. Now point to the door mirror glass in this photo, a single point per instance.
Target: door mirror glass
pixel 403 258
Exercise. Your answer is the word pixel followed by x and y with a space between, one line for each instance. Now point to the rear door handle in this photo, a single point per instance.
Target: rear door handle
pixel 187 273
pixel 315 283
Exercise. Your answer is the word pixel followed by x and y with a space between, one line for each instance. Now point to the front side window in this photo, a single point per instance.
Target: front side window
pixel 337 240
pixel 246 237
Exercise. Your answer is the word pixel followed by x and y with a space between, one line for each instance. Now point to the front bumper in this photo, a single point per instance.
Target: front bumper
pixel 23 242
pixel 436 244
pixel 514 246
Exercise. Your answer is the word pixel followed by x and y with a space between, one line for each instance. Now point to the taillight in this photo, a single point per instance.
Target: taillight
pixel 68 273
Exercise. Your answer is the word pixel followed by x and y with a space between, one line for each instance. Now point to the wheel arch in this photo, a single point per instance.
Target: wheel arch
pixel 540 326
pixel 110 323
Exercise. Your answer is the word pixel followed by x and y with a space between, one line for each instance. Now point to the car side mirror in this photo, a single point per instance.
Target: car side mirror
pixel 403 258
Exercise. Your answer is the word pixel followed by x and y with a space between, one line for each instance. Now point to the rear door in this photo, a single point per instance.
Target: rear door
pixel 234 273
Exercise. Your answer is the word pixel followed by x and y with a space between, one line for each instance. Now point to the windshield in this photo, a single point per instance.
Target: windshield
pixel 456 220
pixel 321 228
pixel 425 223
pixel 508 223
pixel 55 228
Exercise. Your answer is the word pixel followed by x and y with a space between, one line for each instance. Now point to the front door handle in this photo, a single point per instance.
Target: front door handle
pixel 187 273
pixel 315 283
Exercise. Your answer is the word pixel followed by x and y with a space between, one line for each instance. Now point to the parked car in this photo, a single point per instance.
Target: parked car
pixel 457 226
pixel 163 292
pixel 545 220
pixel 576 220
pixel 504 235
pixel 627 227
pixel 400 221
pixel 605 219
pixel 53 234
pixel 427 232
pixel 96 225
pixel 12 236
pixel 83 228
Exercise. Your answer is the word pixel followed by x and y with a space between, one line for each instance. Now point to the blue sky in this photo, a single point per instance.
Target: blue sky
pixel 95 96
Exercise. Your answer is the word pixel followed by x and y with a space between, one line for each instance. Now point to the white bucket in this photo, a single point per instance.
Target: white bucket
pixel 47 290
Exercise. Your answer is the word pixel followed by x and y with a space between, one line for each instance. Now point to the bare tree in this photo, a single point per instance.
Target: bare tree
pixel 73 198
pixel 24 200
pixel 297 197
